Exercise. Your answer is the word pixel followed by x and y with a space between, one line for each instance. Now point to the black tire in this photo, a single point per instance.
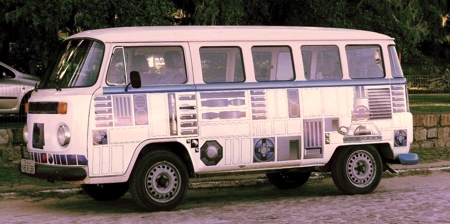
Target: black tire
pixel 105 192
pixel 288 180
pixel 159 181
pixel 357 170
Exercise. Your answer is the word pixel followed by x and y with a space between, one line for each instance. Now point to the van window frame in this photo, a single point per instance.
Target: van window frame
pixel 275 61
pixel 364 66
pixel 231 63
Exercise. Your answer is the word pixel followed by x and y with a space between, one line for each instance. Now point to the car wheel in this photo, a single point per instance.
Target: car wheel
pixel 357 170
pixel 159 181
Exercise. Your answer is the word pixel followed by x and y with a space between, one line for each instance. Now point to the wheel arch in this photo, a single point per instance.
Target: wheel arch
pixel 173 147
pixel 384 149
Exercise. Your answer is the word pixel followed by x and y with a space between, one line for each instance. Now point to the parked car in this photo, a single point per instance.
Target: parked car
pixel 15 89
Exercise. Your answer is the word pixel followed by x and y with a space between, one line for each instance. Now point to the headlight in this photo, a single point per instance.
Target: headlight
pixel 25 133
pixel 63 135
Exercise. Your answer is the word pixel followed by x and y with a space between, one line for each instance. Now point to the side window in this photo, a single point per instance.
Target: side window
pixel 157 65
pixel 365 61
pixel 321 62
pixel 221 64
pixel 116 69
pixel 396 69
pixel 6 73
pixel 272 63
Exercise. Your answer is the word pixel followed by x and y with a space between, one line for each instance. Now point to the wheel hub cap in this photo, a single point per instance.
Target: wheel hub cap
pixel 163 182
pixel 361 168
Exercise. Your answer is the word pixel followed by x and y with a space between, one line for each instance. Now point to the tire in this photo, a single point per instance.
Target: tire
pixel 105 192
pixel 288 180
pixel 357 170
pixel 159 181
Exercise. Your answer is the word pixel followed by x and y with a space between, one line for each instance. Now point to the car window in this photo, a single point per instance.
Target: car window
pixel 6 73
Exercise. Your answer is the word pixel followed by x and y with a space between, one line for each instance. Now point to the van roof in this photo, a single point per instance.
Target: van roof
pixel 226 33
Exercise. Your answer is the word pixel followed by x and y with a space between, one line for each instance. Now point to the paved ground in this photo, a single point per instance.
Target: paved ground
pixel 408 199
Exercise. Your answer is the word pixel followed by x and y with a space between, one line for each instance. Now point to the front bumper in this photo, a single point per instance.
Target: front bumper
pixel 52 172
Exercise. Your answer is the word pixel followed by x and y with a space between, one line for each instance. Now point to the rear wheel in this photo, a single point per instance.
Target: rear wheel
pixel 159 181
pixel 105 192
pixel 357 170
pixel 288 180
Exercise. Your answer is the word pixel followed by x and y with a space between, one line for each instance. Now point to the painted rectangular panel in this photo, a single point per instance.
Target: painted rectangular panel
pixel 140 109
pixel 271 104
pixel 105 161
pixel 312 102
pixel 117 156
pixel 122 111
pixel 330 101
pixel 228 129
pixel 268 128
pixel 400 120
pixel 294 126
pixel 125 135
pixel 247 150
pixel 282 104
pixel 257 128
pixel 346 96
pixel 293 103
pixel 159 114
pixel 262 128
pixel 279 127
pixel 96 161
pixel 227 152
pixel 288 148
pixel 236 151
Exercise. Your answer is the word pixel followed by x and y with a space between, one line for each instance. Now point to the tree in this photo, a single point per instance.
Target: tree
pixel 32 30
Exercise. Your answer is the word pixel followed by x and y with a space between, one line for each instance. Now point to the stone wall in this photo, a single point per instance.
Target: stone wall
pixel 10 140
pixel 429 131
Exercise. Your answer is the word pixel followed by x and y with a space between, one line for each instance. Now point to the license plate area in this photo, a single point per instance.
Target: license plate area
pixel 28 166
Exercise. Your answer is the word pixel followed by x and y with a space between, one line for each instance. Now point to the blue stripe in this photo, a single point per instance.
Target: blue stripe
pixel 254 85
pixel 149 89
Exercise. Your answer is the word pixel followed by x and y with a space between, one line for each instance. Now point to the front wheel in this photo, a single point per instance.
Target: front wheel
pixel 159 181
pixel 357 170
pixel 105 192
pixel 288 180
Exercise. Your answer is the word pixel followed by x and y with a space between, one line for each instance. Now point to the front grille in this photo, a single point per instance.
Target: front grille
pixel 43 108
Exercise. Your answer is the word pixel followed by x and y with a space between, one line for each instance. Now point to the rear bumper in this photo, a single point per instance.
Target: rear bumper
pixel 408 158
pixel 51 172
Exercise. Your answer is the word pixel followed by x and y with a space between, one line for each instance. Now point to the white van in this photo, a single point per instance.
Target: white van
pixel 146 108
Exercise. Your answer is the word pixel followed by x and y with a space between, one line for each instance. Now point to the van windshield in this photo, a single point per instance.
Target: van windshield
pixel 77 65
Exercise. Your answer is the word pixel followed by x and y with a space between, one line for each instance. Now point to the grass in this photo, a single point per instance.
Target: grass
pixel 429 103
pixel 433 154
pixel 11 180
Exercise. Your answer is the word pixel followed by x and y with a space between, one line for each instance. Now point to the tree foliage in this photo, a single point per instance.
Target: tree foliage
pixel 30 27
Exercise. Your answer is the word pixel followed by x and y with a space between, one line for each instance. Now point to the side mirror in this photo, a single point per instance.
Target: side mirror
pixel 135 80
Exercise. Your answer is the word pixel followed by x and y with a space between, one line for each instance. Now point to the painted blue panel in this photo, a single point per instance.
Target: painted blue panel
pixel 253 85
pixel 149 89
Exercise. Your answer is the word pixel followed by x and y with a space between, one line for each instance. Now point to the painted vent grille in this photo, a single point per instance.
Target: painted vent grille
pixel 122 110
pixel 313 133
pixel 399 99
pixel 380 103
